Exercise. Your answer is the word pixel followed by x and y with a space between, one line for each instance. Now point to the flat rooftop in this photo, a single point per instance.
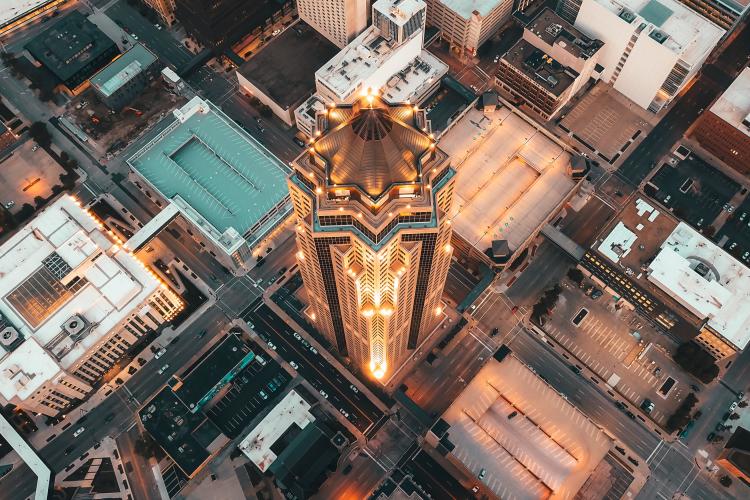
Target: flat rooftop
pixel 69 45
pixel 285 68
pixel 688 33
pixel 707 281
pixel 511 176
pixel 225 177
pixel 554 30
pixel 213 370
pixel 733 106
pixel 12 10
pixel 421 73
pixel 61 267
pixel 465 8
pixel 123 69
pixel 290 411
pixel 548 449
pixel 539 67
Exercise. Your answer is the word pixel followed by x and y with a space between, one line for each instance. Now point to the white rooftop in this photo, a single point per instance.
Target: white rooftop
pixel 368 61
pixel 721 296
pixel 618 243
pixel 87 276
pixel 465 8
pixel 734 104
pixel 547 449
pixel 690 34
pixel 511 176
pixel 26 369
pixel 289 411
pixel 399 11
pixel 408 84
pixel 11 9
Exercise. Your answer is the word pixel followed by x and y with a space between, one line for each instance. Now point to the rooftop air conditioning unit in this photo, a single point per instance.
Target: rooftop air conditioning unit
pixel 8 336
pixel 75 325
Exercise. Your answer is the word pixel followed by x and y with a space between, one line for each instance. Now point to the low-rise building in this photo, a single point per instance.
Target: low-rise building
pixel 73 302
pixel 549 65
pixel 7 137
pixel 652 48
pixel 16 14
pixel 122 80
pixel 293 446
pixel 735 457
pixel 518 436
pixel 467 24
pixel 230 190
pixel 72 49
pixel 724 129
pixel 679 279
pixel 281 74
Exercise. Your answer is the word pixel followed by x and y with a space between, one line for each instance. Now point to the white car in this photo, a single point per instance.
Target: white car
pixel 344 412
pixel 294 365
pixel 160 353
pixel 354 388
pixel 163 369
pixel 313 350
pixel 297 336
pixel 271 345
pixel 323 393
pixel 79 432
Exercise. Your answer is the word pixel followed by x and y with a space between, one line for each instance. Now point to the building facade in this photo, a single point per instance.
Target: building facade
pixel 165 9
pixel 217 24
pixel 371 198
pixel 724 13
pixel 724 129
pixel 74 302
pixel 652 48
pixel 340 21
pixel 467 25
pixel 15 15
pixel 549 65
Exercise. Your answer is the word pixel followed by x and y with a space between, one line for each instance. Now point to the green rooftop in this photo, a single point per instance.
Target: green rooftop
pixel 222 172
pixel 656 13
pixel 123 69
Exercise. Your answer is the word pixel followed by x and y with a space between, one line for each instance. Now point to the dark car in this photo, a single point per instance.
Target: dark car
pixel 596 294
pixel 630 415
pixel 108 418
pixel 69 450
pixel 710 436
pixel 494 332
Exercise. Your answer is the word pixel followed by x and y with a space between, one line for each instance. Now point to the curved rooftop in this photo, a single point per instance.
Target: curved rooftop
pixel 372 145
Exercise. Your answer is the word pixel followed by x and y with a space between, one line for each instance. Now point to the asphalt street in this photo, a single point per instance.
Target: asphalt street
pixel 312 366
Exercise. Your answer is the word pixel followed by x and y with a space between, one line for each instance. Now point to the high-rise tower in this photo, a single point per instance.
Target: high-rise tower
pixel 338 20
pixel 371 197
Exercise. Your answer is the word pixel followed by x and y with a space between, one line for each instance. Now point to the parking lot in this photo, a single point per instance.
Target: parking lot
pixel 619 347
pixel 734 235
pixel 694 190
pixel 244 400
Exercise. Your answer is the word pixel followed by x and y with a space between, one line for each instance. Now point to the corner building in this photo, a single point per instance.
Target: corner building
pixel 371 197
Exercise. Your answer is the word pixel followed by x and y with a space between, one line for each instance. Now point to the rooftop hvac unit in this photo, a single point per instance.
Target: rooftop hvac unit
pixel 75 326
pixel 9 336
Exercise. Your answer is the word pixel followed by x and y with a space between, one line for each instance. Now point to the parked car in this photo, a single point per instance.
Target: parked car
pixel 294 365
pixel 271 345
pixel 344 412
pixel 354 388
pixel 596 294
pixel 69 450
pixel 482 473
pixel 323 393
pixel 163 369
pixel 647 405
pixel 263 394
pixel 313 350
pixel 160 353
pixel 78 432
pixel 297 336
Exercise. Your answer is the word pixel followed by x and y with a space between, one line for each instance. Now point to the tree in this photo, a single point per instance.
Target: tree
pixel 40 134
pixel 742 404
pixel 265 111
pixel 694 360
pixel 145 446
pixel 26 211
pixel 725 481
pixel 734 416
pixel 39 201
pixel 575 275
pixel 64 156
pixel 681 416
pixel 709 231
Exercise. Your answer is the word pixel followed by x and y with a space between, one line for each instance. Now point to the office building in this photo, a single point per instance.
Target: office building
pixel 549 65
pixel 337 20
pixel 467 24
pixel 652 48
pixel 371 199
pixel 724 129
pixel 724 13
pixel 279 77
pixel 7 137
pixel 679 279
pixel 228 189
pixel 165 9
pixel 218 24
pixel 18 13
pixel 72 49
pixel 73 302
pixel 387 57
pixel 122 80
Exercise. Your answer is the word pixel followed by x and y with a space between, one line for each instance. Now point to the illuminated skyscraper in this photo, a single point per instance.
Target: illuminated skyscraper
pixel 371 197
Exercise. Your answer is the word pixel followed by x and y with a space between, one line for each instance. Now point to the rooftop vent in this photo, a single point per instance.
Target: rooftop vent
pixel 659 36
pixel 75 326
pixel 627 15
pixel 8 337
